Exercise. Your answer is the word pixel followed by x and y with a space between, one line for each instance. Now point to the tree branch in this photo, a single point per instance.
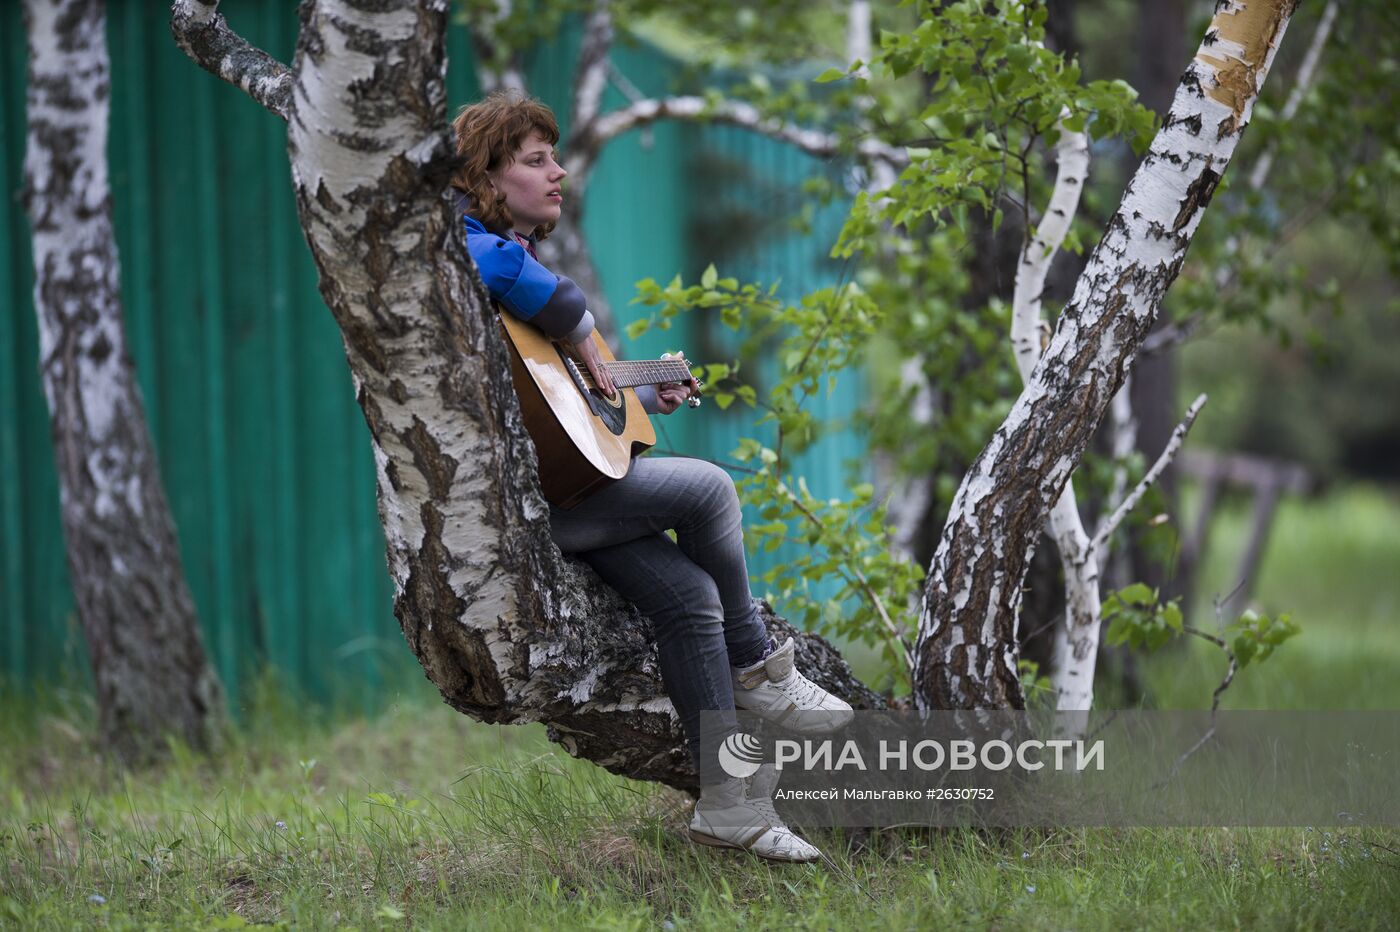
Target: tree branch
pixel 1072 157
pixel 203 34
pixel 591 73
pixel 739 113
pixel 1178 436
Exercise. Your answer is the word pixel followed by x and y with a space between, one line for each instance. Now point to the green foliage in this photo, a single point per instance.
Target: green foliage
pixel 529 23
pixel 1254 637
pixel 812 341
pixel 1135 618
pixel 1330 564
pixel 979 135
pixel 994 92
pixel 1039 689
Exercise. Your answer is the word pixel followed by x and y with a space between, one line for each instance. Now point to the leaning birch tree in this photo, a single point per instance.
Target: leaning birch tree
pixel 507 628
pixel 966 651
pixel 148 662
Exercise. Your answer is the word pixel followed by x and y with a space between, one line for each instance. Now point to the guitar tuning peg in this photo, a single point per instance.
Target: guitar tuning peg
pixel 693 401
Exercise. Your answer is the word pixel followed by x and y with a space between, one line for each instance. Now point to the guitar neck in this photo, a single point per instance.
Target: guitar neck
pixel 631 373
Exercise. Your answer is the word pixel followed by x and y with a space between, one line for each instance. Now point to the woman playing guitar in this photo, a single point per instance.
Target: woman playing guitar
pixel 714 652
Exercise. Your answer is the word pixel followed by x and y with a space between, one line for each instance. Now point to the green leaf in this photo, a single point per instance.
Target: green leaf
pixel 1244 647
pixel 1171 614
pixel 829 75
pixel 1137 594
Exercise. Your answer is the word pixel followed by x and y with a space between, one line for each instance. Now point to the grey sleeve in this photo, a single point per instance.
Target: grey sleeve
pixel 646 394
pixel 584 328
pixel 565 313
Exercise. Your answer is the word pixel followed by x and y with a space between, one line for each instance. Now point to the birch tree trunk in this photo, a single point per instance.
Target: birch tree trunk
pixel 506 627
pixel 1161 43
pixel 143 638
pixel 1074 654
pixel 966 652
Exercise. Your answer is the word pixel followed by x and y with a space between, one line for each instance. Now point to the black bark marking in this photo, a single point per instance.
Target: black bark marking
pixel 101 349
pixel 1198 196
pixel 324 198
pixel 1191 80
pixel 1191 124
pixel 363 339
pixel 437 467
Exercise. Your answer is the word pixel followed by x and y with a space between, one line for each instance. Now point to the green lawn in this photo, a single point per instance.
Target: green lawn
pixel 421 818
pixel 1333 564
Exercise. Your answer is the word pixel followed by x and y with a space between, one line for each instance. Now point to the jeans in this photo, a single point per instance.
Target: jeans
pixel 695 590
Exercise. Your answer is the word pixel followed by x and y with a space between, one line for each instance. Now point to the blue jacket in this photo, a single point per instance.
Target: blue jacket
pixel 527 289
pixel 532 292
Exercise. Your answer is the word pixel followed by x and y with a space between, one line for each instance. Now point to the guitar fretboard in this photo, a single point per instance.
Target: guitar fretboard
pixel 631 373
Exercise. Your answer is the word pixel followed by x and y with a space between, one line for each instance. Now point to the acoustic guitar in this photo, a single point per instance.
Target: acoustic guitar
pixel 583 438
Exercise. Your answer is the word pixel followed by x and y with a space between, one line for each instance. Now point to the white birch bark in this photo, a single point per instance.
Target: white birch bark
pixel 507 628
pixel 966 652
pixel 1177 333
pixel 1076 640
pixel 149 668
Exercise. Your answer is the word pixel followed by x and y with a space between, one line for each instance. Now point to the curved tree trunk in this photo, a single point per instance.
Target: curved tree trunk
pixel 966 651
pixel 507 628
pixel 143 638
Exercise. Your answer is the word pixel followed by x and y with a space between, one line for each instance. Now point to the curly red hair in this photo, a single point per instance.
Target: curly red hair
pixel 489 133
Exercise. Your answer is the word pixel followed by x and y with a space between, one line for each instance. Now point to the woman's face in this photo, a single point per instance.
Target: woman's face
pixel 531 185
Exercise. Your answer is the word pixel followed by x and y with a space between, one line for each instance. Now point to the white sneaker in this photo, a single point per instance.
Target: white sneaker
pixel 740 814
pixel 775 690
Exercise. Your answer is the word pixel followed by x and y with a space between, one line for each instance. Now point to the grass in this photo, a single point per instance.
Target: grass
pixel 420 818
pixel 1333 564
pixel 423 819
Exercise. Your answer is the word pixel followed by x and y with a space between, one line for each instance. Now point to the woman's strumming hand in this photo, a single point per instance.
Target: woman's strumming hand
pixel 589 354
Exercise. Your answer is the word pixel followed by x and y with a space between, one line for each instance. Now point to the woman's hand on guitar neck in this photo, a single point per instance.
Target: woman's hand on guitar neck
pixel 671 395
pixel 589 354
